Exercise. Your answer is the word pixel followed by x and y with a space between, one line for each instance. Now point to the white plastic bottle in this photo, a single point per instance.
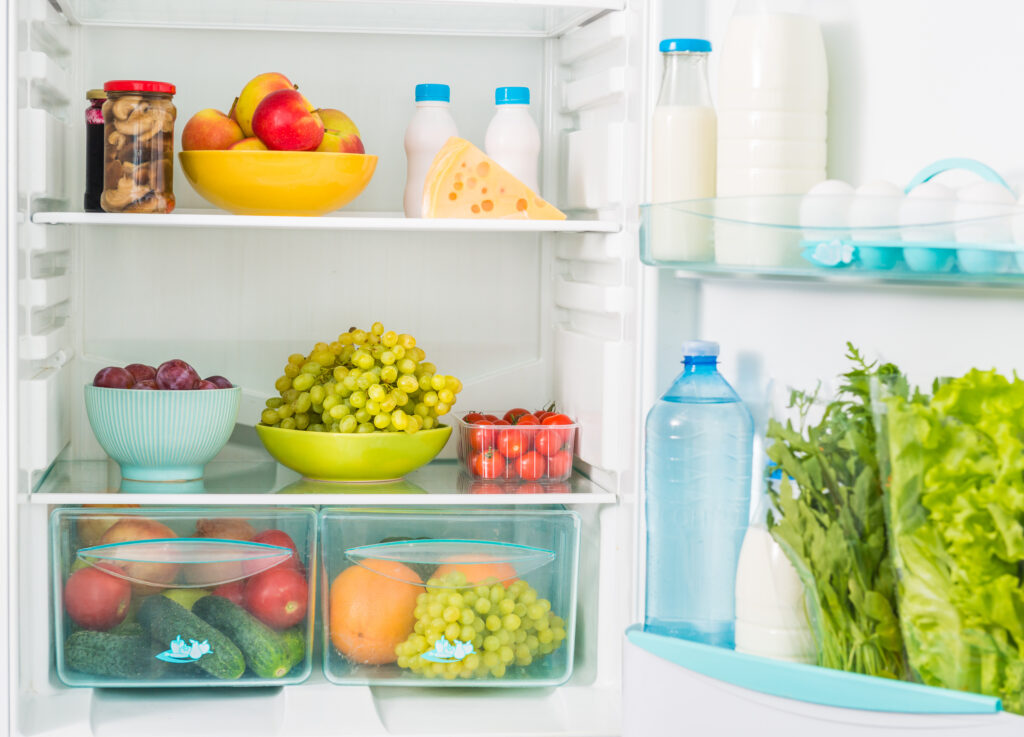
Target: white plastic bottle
pixel 772 101
pixel 683 135
pixel 431 126
pixel 513 139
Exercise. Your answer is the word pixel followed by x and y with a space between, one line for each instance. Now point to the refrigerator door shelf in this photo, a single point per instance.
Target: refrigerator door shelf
pixel 723 692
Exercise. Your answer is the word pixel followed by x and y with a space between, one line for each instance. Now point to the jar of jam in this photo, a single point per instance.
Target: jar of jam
pixel 138 147
pixel 94 150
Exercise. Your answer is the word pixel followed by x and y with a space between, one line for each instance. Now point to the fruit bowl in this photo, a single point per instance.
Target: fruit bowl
pixel 374 456
pixel 278 182
pixel 162 435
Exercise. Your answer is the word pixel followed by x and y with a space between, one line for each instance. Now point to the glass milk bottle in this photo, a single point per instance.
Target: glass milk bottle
pixel 683 135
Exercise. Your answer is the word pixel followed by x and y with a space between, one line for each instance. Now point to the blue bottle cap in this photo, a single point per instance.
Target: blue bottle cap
pixel 433 93
pixel 700 348
pixel 697 45
pixel 512 96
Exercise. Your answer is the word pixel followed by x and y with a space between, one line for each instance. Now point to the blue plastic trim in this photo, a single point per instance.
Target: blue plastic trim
pixel 976 167
pixel 694 45
pixel 512 96
pixel 810 683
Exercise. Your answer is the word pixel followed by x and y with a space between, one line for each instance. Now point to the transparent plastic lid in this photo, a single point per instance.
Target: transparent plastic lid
pixel 700 348
pixel 476 560
pixel 186 562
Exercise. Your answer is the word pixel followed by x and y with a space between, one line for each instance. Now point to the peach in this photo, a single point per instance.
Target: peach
pixel 340 133
pixel 252 95
pixel 248 144
pixel 210 130
pixel 284 122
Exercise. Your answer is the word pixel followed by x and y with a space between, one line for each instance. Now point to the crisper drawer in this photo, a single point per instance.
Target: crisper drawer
pixel 201 596
pixel 449 597
pixel 672 687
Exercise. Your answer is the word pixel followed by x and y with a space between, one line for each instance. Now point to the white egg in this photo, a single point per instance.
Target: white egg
pixel 926 205
pixel 876 205
pixel 990 202
pixel 826 205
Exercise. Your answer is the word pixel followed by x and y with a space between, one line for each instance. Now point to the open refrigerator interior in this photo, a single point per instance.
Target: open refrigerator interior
pixel 521 314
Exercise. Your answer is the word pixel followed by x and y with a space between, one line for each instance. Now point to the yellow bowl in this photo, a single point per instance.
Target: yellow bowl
pixel 372 456
pixel 278 182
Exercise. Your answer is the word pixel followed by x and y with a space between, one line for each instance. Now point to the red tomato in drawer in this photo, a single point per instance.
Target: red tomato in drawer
pixel 97 599
pixel 277 597
pixel 281 539
pixel 233 592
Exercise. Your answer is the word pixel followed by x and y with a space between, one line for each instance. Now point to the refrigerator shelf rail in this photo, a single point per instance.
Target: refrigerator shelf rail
pixel 523 18
pixel 440 483
pixel 813 237
pixel 368 221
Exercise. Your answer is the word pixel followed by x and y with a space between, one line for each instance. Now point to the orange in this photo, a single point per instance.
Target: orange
pixel 371 610
pixel 476 568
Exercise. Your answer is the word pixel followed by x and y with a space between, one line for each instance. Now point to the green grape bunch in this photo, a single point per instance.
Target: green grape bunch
pixel 508 627
pixel 365 381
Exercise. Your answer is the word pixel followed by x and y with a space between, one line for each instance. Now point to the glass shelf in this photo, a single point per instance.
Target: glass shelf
pixel 785 237
pixel 537 18
pixel 441 483
pixel 350 221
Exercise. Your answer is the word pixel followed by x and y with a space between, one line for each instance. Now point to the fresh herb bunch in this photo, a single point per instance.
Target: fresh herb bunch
pixel 832 522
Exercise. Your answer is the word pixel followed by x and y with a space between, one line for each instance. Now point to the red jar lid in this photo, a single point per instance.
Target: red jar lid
pixel 138 85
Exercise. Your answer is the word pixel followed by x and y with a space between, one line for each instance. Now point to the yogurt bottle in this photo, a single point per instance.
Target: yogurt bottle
pixel 513 139
pixel 431 126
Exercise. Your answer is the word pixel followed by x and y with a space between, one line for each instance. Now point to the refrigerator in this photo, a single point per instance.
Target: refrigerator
pixel 524 312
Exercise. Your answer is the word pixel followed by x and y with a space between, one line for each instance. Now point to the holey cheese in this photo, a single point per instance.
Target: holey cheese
pixel 464 183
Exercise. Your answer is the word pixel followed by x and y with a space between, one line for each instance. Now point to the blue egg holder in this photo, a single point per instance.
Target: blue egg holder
pixel 928 257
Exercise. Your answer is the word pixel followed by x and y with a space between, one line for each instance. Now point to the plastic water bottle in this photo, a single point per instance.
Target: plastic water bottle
pixel 430 128
pixel 700 438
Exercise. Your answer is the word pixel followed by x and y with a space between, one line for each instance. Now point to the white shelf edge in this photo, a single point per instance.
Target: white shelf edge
pixel 374 221
pixel 327 500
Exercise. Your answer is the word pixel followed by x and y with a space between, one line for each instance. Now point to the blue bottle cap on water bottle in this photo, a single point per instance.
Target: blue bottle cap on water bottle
pixel 693 45
pixel 512 96
pixel 433 93
pixel 700 348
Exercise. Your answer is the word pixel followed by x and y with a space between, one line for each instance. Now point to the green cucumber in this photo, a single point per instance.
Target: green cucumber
pixel 167 621
pixel 295 641
pixel 113 655
pixel 266 652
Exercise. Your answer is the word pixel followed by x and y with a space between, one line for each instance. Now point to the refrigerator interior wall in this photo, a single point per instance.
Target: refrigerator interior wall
pixel 519 318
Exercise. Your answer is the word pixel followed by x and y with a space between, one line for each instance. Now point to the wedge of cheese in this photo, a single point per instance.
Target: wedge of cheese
pixel 463 182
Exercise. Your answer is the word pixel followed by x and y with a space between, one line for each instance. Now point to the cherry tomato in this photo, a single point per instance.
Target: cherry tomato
pixel 471 418
pixel 489 464
pixel 481 438
pixel 531 466
pixel 541 414
pixel 560 464
pixel 492 418
pixel 556 419
pixel 513 414
pixel 501 422
pixel 512 443
pixel 511 472
pixel 549 442
pixel 527 420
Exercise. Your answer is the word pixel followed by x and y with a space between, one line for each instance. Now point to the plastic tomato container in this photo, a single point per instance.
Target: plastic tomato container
pixel 449 597
pixel 183 597
pixel 516 452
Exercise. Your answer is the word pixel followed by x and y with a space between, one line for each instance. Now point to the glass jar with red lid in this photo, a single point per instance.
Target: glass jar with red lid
pixel 138 147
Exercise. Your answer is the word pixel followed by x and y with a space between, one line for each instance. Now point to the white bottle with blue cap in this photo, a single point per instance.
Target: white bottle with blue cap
pixel 513 139
pixel 430 128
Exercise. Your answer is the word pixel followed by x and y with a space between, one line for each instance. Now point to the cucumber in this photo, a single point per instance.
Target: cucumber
pixel 295 641
pixel 167 620
pixel 267 653
pixel 127 628
pixel 113 655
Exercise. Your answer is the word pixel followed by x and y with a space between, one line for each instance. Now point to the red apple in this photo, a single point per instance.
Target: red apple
pixel 210 130
pixel 340 133
pixel 252 95
pixel 284 122
pixel 248 144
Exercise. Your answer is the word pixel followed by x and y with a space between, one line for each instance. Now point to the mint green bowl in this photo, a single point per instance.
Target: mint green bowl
pixel 162 435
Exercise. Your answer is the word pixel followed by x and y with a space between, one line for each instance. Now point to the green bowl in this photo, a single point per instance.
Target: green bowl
pixel 162 435
pixel 372 456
